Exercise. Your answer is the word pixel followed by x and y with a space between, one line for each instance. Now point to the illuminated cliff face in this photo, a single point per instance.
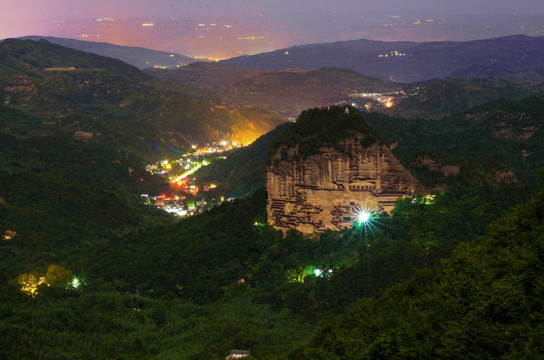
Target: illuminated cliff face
pixel 327 191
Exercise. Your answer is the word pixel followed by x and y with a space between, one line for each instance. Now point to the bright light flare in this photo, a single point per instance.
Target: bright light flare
pixel 75 284
pixel 363 217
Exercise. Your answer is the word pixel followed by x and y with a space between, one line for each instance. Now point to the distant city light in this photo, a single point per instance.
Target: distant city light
pixel 178 173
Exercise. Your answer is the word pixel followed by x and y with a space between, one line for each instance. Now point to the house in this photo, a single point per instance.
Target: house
pixel 237 354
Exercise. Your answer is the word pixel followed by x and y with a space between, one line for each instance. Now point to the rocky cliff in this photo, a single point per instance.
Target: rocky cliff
pixel 327 190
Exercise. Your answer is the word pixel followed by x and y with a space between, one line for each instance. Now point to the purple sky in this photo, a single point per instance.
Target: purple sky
pixel 79 9
pixel 284 23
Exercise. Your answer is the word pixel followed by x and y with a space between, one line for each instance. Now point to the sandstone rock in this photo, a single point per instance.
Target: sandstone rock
pixel 326 191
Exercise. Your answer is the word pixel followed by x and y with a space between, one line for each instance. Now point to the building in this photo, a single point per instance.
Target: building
pixel 237 354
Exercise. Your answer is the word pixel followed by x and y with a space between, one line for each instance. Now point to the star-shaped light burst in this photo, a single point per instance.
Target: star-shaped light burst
pixel 365 219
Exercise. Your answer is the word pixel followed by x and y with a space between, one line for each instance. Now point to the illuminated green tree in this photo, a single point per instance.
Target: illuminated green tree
pixel 56 274
pixel 29 283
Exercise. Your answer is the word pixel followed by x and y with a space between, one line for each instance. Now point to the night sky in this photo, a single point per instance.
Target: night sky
pixel 78 9
pixel 270 24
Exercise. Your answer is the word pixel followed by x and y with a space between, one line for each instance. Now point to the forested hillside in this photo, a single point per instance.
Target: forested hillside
pixel 88 271
pixel 483 302
pixel 86 261
pixel 499 141
pixel 99 99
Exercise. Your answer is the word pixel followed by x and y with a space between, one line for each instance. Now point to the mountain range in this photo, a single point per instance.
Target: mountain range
pixel 85 261
pixel 404 61
pixel 60 90
pixel 285 92
pixel 140 57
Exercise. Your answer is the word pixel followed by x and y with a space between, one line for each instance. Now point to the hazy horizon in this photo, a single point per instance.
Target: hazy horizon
pixel 225 29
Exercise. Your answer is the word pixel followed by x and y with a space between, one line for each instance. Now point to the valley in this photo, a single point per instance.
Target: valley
pixel 184 197
pixel 270 207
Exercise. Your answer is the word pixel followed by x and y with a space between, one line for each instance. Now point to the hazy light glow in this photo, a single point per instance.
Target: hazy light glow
pixel 216 29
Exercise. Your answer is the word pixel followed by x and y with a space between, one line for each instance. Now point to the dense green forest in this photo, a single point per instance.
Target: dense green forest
pixel 436 99
pixel 88 271
pixel 501 141
pixel 485 302
pixel 207 284
pixel 316 128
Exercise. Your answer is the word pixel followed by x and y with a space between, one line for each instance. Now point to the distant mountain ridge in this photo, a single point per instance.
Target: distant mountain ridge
pixel 286 92
pixel 140 57
pixel 405 61
pixel 209 76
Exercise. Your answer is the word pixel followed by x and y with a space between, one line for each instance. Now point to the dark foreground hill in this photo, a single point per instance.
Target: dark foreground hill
pixel 483 302
pixel 406 61
pixel 142 58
